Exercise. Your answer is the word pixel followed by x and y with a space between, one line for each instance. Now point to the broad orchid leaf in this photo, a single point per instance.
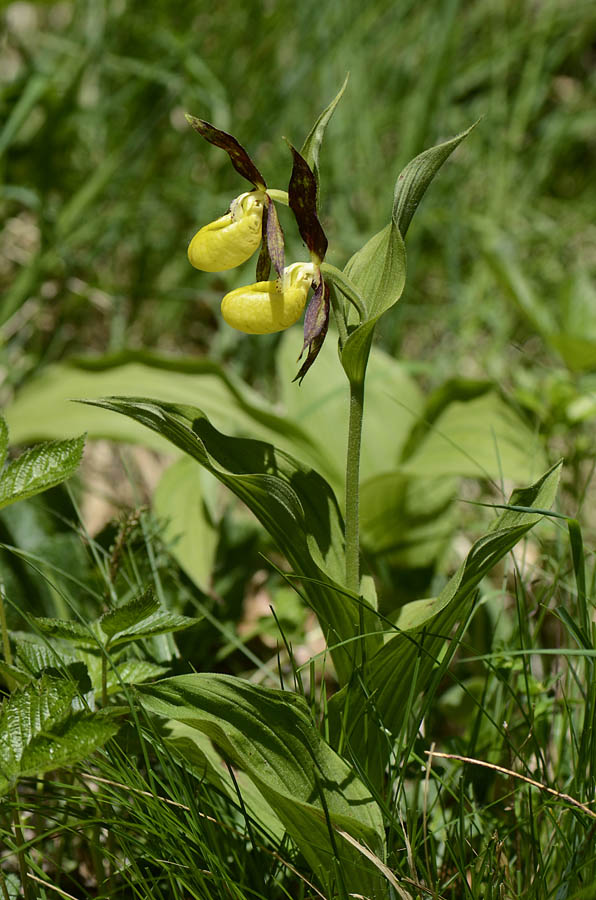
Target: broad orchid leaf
pixel 270 735
pixel 482 437
pixel 378 271
pixel 198 755
pixel 179 500
pixel 238 155
pixel 414 179
pixel 292 501
pixel 44 408
pixel 40 730
pixel 425 626
pixel 312 145
pixel 39 469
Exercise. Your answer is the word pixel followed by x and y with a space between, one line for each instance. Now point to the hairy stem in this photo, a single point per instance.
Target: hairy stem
pixel 353 487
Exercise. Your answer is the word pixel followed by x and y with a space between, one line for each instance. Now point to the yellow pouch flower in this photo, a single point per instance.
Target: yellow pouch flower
pixel 268 306
pixel 232 239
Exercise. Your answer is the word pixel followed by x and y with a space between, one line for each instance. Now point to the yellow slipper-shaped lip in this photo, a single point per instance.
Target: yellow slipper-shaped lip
pixel 232 239
pixel 266 306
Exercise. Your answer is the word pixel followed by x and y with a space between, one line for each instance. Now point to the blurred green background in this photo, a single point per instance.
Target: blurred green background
pixel 103 183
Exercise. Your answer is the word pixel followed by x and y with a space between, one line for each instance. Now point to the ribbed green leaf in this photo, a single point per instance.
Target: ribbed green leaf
pixel 378 270
pixel 426 625
pixel 129 614
pixel 197 754
pixel 482 437
pixel 161 622
pixel 75 632
pixel 44 409
pixel 293 502
pixel 393 404
pixel 270 735
pixel 413 181
pixel 40 731
pixel 39 469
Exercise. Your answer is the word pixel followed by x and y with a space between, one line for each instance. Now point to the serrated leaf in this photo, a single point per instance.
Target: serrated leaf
pixel 69 742
pixel 414 179
pixel 129 614
pixel 270 735
pixel 40 732
pixel 292 501
pixel 161 622
pixel 425 628
pixel 75 632
pixel 133 671
pixel 39 469
pixel 14 675
pixel 34 654
pixel 179 501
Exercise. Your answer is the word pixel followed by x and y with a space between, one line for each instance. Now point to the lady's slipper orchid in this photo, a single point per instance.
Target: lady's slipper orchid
pixel 232 239
pixel 269 306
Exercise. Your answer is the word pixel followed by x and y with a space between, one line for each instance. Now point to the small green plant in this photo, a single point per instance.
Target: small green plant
pixel 325 783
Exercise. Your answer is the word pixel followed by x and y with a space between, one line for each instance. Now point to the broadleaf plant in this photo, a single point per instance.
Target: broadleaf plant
pixel 38 468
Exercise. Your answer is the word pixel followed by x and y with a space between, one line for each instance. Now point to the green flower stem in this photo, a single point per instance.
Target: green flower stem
pixel 353 486
pixel 278 196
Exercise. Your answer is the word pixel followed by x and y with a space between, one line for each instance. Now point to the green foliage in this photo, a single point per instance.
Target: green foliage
pixel 292 501
pixel 37 469
pixel 41 730
pixel 138 619
pixel 271 736
pixel 180 501
pixel 402 668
